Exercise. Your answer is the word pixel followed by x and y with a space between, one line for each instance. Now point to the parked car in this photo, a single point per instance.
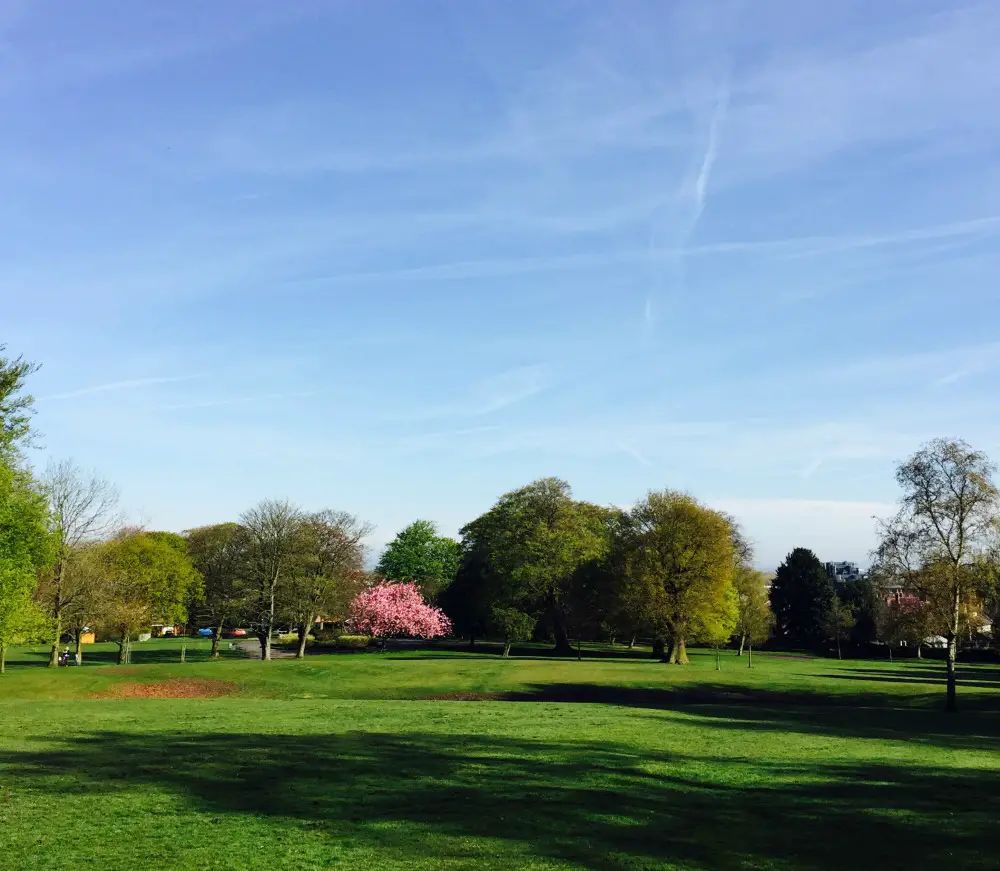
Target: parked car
pixel 206 633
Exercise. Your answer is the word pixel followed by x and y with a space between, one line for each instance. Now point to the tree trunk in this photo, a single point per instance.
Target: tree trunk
pixel 678 651
pixel 579 650
pixel 506 649
pixel 631 644
pixel 57 609
pixel 890 653
pixel 563 647
pixel 743 641
pixel 56 636
pixel 951 704
pixel 472 641
pixel 216 638
pixel 3 658
pixel 265 645
pixel 920 652
pixel 78 638
pixel 121 650
pixel 838 650
pixel 303 638
pixel 750 654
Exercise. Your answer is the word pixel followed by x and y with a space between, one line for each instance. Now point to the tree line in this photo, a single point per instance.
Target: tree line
pixel 539 564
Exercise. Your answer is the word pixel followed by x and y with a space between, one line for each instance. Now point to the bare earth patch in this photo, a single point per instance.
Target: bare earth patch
pixel 175 688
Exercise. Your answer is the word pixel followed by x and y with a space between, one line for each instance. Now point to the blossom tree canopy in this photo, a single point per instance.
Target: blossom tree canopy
pixel 397 609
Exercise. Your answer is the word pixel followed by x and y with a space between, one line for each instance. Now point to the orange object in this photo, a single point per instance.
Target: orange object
pixel 87 638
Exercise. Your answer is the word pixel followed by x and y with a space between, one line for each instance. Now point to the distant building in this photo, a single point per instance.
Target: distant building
pixel 843 572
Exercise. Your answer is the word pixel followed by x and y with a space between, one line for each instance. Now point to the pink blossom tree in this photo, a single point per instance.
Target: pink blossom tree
pixel 388 609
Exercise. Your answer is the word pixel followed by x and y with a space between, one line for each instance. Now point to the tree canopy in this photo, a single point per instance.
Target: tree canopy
pixel 801 594
pixel 419 554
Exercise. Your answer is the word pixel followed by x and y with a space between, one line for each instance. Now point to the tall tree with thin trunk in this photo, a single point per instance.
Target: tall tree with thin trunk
pixel 270 533
pixel 326 572
pixel 838 622
pixel 754 619
pixel 84 509
pixel 947 521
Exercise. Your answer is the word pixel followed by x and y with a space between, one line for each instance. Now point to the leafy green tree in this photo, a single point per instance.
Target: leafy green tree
pixel 148 576
pixel 801 594
pixel 838 621
pixel 217 553
pixel 26 546
pixel 532 543
pixel 683 553
pixel 419 554
pixel 15 405
pixel 948 518
pixel 327 570
pixel 754 620
pixel 512 625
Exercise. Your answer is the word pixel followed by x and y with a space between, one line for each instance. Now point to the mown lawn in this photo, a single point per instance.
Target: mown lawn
pixel 343 761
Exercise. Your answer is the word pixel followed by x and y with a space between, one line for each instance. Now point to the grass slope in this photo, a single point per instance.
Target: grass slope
pixel 615 764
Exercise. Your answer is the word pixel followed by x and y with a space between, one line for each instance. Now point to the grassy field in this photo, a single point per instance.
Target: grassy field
pixel 449 760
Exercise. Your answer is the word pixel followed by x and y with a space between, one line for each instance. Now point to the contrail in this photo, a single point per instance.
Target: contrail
pixel 711 152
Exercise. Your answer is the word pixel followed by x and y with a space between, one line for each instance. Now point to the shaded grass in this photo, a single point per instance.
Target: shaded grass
pixel 604 765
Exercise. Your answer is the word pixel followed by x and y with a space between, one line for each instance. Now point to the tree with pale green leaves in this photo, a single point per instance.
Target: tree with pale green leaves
pixel 147 576
pixel 838 621
pixel 683 553
pixel 948 520
pixel 419 554
pixel 754 619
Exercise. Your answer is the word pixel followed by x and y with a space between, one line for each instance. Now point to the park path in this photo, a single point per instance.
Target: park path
pixel 251 647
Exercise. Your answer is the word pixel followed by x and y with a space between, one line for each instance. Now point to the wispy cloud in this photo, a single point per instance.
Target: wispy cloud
pixel 222 402
pixel 130 384
pixel 786 247
pixel 711 153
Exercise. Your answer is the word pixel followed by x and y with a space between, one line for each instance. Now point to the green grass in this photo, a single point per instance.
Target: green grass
pixel 340 761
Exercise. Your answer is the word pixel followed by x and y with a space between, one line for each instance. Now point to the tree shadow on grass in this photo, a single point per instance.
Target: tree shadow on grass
pixel 979 678
pixel 849 715
pixel 598 805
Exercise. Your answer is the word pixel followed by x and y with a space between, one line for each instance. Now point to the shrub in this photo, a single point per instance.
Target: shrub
pixel 353 642
pixel 289 638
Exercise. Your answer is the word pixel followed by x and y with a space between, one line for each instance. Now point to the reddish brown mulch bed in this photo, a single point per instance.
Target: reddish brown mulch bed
pixel 175 688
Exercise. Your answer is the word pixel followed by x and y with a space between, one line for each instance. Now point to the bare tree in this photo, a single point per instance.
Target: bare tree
pixel 84 509
pixel 270 532
pixel 947 520
pixel 328 565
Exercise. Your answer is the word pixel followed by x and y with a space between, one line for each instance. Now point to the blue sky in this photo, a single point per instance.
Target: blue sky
pixel 401 257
